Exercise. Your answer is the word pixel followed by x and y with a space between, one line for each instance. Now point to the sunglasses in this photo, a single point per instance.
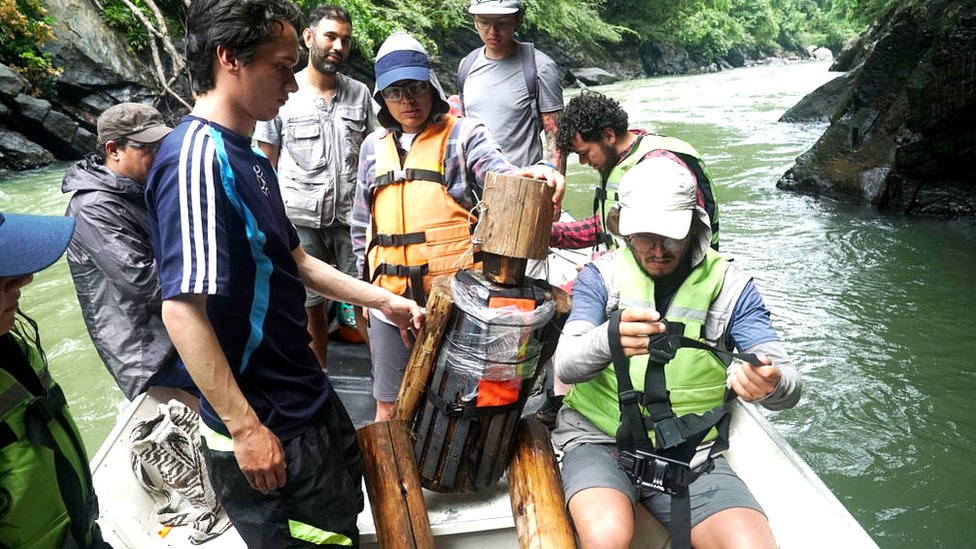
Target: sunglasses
pixel 644 242
pixel 396 93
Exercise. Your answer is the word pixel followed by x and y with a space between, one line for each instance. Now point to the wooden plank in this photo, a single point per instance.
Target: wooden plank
pixel 492 438
pixel 505 445
pixel 442 426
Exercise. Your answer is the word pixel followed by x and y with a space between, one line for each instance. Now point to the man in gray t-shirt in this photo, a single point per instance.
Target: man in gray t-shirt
pixel 494 87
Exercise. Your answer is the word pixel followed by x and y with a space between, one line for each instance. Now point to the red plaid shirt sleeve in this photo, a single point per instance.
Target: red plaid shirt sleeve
pixel 573 235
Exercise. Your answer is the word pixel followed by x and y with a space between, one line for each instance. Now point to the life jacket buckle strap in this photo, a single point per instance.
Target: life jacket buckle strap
pixel 667 433
pixel 662 348
pixel 630 397
pixel 396 176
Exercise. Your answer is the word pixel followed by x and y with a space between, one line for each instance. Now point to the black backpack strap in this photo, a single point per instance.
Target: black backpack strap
pixel 531 74
pixel 677 439
pixel 696 166
pixel 463 69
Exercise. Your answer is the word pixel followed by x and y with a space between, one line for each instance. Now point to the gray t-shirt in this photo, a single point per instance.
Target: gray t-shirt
pixel 495 93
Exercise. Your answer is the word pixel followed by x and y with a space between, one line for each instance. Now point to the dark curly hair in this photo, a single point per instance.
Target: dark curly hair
pixel 588 114
pixel 239 25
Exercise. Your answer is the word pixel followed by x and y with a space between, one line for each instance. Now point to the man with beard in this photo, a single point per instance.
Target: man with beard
pixel 595 127
pixel 314 142
pixel 648 347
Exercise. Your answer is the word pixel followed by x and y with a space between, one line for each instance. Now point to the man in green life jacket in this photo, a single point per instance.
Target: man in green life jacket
pixel 595 127
pixel 46 495
pixel 665 284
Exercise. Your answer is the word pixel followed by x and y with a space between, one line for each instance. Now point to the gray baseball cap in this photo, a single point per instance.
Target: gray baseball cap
pixel 494 7
pixel 134 121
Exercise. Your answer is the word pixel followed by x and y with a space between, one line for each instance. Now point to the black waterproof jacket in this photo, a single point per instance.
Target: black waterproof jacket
pixel 114 272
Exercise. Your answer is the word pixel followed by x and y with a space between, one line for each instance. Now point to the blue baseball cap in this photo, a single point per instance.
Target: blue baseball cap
pixel 29 243
pixel 401 57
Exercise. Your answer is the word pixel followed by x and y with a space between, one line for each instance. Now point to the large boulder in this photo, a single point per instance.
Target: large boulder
pixel 99 71
pixel 12 83
pixel 593 76
pixel 823 103
pixel 17 152
pixel 905 136
pixel 660 58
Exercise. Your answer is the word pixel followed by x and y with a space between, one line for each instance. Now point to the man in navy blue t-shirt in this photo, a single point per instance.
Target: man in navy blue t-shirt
pixel 280 449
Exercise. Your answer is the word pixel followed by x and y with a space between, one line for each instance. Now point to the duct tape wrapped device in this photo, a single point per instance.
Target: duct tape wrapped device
pixel 481 379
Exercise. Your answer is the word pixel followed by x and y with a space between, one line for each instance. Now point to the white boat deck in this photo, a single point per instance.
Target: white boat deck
pixel 801 509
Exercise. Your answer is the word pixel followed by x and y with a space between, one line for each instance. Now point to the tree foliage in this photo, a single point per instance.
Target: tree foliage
pixel 24 28
pixel 708 28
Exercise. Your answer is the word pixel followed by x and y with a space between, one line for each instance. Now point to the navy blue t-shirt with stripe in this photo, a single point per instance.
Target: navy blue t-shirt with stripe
pixel 219 229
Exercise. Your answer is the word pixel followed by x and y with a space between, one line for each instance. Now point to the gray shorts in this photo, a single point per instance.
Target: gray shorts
pixel 389 357
pixel 331 244
pixel 593 466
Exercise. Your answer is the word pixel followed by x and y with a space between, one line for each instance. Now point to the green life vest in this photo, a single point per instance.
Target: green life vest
pixel 46 495
pixel 695 378
pixel 606 195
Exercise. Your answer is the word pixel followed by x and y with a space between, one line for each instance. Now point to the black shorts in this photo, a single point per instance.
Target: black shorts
pixel 322 496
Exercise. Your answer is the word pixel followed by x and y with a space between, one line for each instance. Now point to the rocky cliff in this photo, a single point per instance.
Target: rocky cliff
pixel 99 71
pixel 903 131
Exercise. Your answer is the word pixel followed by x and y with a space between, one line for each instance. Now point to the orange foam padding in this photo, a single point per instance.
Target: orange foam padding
pixel 500 393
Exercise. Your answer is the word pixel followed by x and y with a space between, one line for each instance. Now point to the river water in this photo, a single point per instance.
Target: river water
pixel 875 309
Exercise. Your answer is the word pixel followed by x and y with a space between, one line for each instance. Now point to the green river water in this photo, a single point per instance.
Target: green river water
pixel 874 308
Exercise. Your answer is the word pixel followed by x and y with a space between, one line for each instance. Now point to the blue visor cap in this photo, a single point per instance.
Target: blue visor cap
pixel 401 65
pixel 29 243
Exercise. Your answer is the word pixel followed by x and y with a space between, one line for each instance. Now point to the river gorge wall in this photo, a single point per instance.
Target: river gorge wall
pixel 902 134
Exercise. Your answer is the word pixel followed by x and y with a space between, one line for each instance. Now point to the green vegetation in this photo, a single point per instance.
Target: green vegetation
pixel 117 15
pixel 431 21
pixel 24 27
pixel 707 28
pixel 713 27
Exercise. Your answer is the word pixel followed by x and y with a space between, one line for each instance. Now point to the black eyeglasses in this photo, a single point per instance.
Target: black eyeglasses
pixel 396 93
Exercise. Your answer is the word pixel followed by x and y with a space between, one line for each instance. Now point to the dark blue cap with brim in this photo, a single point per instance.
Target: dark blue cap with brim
pixel 30 243
pixel 401 65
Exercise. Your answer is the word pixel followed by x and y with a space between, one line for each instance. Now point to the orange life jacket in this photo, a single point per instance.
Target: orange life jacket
pixel 417 231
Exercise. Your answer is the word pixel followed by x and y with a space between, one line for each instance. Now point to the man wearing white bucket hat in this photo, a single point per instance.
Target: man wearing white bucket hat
pixel 648 346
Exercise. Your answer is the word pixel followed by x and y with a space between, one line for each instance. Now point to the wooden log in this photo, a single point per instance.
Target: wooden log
pixel 503 270
pixel 516 219
pixel 393 486
pixel 536 490
pixel 425 349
